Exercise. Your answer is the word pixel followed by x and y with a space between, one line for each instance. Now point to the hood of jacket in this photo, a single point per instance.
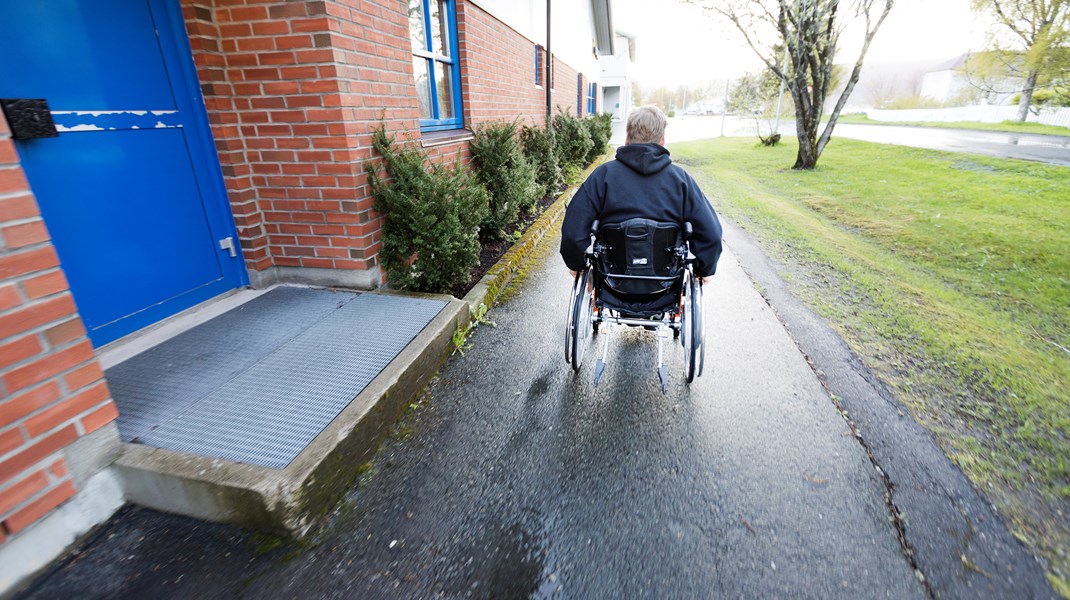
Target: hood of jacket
pixel 645 159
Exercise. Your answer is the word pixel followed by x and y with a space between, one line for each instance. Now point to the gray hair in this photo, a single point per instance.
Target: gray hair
pixel 646 125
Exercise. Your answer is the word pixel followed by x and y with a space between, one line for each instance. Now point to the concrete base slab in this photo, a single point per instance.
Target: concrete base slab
pixel 368 279
pixel 35 548
pixel 289 500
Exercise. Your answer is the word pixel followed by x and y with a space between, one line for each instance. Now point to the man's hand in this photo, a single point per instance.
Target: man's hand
pixel 573 273
pixel 702 280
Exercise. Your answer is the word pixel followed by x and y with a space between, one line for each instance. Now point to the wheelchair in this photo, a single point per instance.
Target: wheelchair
pixel 639 273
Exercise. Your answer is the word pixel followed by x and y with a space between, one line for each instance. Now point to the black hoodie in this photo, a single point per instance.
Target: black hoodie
pixel 642 182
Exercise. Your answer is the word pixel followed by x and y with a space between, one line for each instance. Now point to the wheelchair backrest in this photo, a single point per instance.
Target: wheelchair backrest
pixel 650 250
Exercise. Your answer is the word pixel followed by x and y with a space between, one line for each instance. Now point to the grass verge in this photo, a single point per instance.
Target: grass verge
pixel 949 274
pixel 1006 126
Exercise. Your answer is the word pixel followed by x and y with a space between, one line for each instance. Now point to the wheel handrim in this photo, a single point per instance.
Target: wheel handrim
pixel 700 325
pixel 687 335
pixel 581 324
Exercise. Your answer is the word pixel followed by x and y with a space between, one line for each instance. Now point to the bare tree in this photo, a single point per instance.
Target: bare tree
pixel 747 94
pixel 810 29
pixel 1039 28
pixel 882 90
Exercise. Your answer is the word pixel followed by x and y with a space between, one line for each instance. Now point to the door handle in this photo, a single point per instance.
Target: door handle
pixel 227 243
pixel 28 118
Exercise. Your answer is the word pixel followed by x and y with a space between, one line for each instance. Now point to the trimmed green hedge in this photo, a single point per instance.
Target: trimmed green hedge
pixel 433 213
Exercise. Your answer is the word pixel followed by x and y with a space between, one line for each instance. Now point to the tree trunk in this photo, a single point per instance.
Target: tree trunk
pixel 1027 97
pixel 806 125
pixel 806 159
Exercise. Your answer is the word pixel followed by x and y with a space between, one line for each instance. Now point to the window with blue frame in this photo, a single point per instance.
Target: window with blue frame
pixel 592 94
pixel 538 64
pixel 432 29
pixel 579 95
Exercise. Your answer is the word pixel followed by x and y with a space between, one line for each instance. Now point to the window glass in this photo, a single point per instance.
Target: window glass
pixel 445 90
pixel 440 33
pixel 423 86
pixel 416 25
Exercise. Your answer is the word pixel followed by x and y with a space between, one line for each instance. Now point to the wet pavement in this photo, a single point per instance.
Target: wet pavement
pixel 517 478
pixel 513 477
pixel 1049 149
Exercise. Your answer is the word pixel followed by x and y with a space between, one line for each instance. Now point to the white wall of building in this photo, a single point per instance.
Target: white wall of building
pixel 955 86
pixel 937 85
pixel 615 81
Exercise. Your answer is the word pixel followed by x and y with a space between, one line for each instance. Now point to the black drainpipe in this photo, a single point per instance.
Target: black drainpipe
pixel 549 70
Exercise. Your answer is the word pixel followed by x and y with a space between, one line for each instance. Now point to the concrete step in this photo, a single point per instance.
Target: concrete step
pixel 289 496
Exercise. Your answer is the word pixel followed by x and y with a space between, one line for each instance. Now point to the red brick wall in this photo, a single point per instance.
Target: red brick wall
pixel 291 88
pixel 294 91
pixel 498 75
pixel 52 390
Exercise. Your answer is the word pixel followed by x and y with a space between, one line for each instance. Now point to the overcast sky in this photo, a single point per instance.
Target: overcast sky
pixel 679 44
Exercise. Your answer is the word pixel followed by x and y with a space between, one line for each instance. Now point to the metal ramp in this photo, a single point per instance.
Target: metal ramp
pixel 257 384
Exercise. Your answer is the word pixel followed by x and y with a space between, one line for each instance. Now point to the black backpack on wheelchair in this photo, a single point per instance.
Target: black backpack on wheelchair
pixel 639 274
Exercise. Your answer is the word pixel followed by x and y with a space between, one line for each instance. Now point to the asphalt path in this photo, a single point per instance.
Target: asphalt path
pixel 520 478
pixel 1050 149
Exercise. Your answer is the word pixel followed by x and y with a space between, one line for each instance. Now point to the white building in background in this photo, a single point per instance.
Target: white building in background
pixel 615 76
pixel 951 83
pixel 947 81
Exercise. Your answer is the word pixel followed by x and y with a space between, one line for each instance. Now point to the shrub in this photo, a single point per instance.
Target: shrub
pixel 431 230
pixel 1045 97
pixel 501 167
pixel 538 146
pixel 572 142
pixel 600 128
pixel 573 174
pixel 909 102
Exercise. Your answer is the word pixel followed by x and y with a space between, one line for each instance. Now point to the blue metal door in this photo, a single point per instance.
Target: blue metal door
pixel 131 189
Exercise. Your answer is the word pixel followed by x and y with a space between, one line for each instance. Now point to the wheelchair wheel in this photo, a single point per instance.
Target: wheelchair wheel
pixel 568 319
pixel 579 326
pixel 693 337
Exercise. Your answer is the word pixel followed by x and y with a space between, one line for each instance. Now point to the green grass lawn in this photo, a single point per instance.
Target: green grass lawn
pixel 950 275
pixel 1006 126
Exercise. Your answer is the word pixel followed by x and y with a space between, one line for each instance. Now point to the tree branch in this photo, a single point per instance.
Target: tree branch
pixel 870 33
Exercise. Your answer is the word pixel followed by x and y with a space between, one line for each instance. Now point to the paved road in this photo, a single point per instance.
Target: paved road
pixel 1040 148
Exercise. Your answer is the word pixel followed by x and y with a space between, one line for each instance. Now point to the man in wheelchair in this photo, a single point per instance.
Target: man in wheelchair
pixel 641 239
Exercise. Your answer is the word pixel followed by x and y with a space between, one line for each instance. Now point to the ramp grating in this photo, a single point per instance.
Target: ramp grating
pixel 268 405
